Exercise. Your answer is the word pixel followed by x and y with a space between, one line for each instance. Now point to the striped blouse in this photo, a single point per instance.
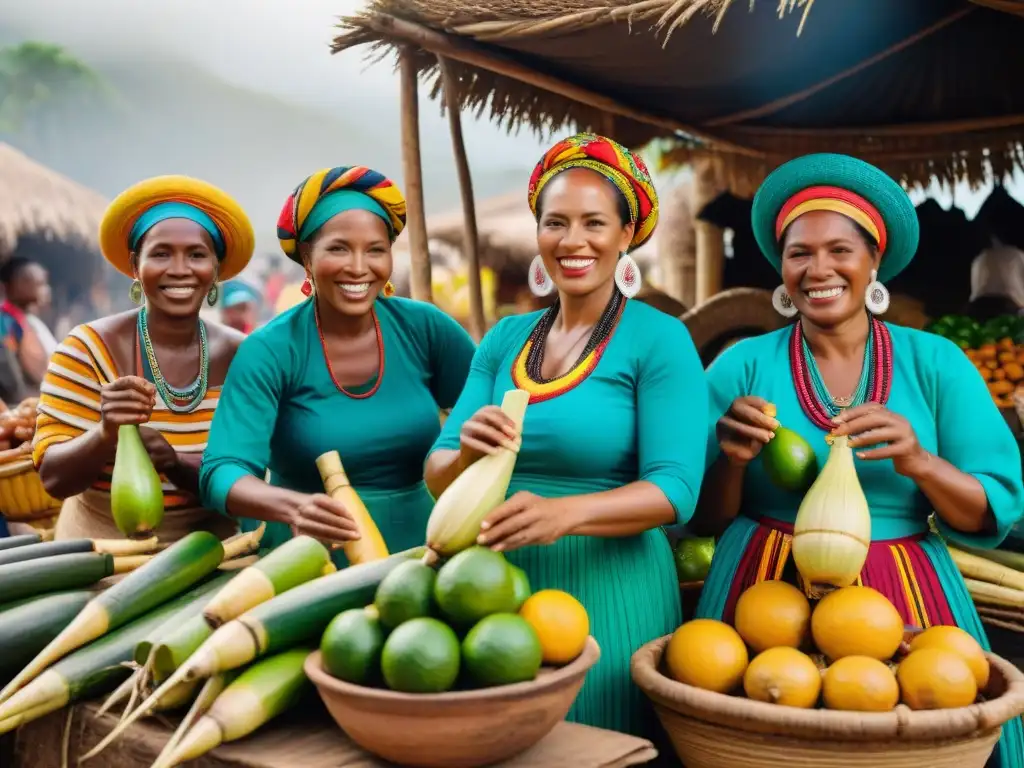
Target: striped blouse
pixel 69 405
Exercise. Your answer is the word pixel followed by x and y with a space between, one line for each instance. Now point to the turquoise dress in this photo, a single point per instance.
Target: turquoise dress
pixel 280 410
pixel 640 415
pixel 936 388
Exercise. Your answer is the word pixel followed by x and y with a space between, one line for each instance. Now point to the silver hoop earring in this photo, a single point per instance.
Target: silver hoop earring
pixel 627 276
pixel 540 281
pixel 876 297
pixel 783 303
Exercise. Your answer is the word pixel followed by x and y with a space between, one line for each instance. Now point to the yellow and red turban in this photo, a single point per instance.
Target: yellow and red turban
pixel 331 191
pixel 844 185
pixel 623 168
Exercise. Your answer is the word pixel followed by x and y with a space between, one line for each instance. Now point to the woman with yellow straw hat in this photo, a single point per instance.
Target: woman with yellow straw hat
pixel 159 366
pixel 612 445
pixel 353 369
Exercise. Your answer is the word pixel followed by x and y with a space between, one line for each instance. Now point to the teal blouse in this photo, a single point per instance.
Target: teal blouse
pixel 280 410
pixel 935 387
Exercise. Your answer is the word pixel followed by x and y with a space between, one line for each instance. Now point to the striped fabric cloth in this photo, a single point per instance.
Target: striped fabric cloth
pixel 69 405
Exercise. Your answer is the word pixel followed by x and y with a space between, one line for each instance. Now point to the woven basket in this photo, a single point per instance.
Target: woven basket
pixel 711 730
pixel 23 499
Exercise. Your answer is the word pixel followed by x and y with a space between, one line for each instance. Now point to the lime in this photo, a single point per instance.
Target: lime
pixel 790 461
pixel 501 650
pixel 421 656
pixel 520 586
pixel 351 646
pixel 475 583
pixel 693 558
pixel 406 593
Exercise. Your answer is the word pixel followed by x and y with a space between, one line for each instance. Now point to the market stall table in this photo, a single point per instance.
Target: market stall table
pixel 306 740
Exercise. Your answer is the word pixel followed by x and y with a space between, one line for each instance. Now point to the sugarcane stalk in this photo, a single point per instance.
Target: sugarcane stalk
pixel 200 706
pixel 982 569
pixel 994 594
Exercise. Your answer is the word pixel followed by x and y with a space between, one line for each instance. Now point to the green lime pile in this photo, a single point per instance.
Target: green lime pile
pixel 968 333
pixel 408 640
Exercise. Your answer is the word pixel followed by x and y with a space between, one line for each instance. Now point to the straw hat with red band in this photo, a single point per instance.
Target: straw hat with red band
pixel 841 184
pixel 231 221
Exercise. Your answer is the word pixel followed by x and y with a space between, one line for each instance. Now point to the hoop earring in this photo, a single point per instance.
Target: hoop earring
pixel 540 281
pixel 627 276
pixel 213 295
pixel 307 287
pixel 389 290
pixel 783 303
pixel 135 293
pixel 876 297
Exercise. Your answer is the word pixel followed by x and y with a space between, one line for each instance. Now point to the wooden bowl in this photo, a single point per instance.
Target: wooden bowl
pixel 461 729
pixel 709 729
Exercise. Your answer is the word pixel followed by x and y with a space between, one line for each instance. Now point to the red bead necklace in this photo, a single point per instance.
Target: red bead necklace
pixel 330 368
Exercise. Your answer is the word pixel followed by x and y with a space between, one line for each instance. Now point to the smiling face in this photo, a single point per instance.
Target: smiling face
pixel 349 261
pixel 582 227
pixel 177 265
pixel 826 267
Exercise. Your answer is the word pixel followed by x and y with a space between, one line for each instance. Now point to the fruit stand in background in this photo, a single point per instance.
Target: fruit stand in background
pixel 22 496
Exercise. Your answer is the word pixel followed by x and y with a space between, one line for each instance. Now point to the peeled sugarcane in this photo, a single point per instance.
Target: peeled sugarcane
pixel 370 545
pixel 200 706
pixel 994 594
pixel 454 523
pixel 297 617
pixel 29 626
pixel 261 693
pixel 96 669
pixel 243 543
pixel 116 547
pixel 1013 560
pixel 981 569
pixel 168 574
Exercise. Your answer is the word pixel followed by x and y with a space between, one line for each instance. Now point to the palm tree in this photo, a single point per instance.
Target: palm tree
pixel 34 75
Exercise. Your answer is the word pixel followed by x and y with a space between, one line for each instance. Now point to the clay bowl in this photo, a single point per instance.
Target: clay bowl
pixel 461 729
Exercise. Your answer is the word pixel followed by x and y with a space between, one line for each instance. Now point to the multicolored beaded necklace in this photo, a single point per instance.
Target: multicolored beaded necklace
pixel 330 368
pixel 177 400
pixel 874 385
pixel 526 368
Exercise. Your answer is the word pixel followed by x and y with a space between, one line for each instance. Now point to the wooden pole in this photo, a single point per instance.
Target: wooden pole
pixel 416 221
pixel 470 239
pixel 710 245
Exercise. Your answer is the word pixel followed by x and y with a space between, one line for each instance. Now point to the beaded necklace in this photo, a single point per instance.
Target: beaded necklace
pixel 330 368
pixel 874 385
pixel 526 368
pixel 177 400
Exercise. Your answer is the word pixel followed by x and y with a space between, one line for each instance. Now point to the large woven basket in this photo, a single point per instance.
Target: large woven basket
pixel 23 499
pixel 711 730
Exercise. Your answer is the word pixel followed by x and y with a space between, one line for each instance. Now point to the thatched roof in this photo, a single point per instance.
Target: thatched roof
pixel 917 86
pixel 38 201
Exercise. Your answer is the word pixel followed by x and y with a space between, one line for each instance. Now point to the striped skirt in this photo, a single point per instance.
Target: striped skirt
pixel 916 573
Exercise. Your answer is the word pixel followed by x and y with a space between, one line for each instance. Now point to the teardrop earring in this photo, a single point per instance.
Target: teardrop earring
pixel 213 295
pixel 540 281
pixel 876 297
pixel 783 303
pixel 135 293
pixel 627 276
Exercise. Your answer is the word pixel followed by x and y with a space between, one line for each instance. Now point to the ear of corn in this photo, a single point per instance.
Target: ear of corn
pixel 168 574
pixel 295 562
pixel 454 523
pixel 27 628
pixel 261 693
pixel 370 545
pixel 36 577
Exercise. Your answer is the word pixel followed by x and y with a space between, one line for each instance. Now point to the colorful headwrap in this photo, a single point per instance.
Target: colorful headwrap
pixel 331 191
pixel 140 207
pixel 841 184
pixel 623 168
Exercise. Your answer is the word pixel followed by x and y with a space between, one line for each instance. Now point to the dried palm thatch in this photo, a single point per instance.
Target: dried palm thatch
pixel 39 201
pixel 907 86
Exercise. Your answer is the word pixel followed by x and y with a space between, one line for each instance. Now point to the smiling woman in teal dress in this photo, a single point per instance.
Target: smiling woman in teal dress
pixel 352 369
pixel 612 444
pixel 926 434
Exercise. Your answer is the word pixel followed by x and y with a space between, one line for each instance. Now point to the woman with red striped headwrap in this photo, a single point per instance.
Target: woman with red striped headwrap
pixel 352 369
pixel 925 433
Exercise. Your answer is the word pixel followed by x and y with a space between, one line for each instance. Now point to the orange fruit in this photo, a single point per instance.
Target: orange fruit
pixel 860 684
pixel 773 614
pixel 857 621
pixel 959 642
pixel 783 676
pixel 934 678
pixel 707 654
pixel 560 621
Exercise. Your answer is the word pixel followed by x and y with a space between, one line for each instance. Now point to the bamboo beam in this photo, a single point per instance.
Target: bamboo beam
pixel 471 239
pixel 710 243
pixel 476 55
pixel 412 168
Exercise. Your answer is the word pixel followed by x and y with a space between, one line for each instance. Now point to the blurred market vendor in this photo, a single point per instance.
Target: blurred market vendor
pixel 26 286
pixel 159 366
pixel 925 433
pixel 612 446
pixel 239 306
pixel 352 369
pixel 997 283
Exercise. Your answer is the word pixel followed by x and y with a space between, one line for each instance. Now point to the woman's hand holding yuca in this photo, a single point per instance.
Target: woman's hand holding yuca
pixel 485 432
pixel 745 429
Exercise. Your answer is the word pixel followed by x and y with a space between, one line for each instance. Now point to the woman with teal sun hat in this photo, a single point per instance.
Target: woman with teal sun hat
pixel 612 444
pixel 925 432
pixel 159 366
pixel 239 306
pixel 351 369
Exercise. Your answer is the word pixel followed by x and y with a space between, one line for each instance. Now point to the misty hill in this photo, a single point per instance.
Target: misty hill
pixel 171 116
